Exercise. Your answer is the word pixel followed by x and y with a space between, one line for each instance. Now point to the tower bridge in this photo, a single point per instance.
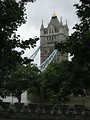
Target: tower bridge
pixel 56 31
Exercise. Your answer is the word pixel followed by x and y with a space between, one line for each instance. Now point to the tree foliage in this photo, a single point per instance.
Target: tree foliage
pixel 21 79
pixel 12 16
pixel 78 45
pixel 54 79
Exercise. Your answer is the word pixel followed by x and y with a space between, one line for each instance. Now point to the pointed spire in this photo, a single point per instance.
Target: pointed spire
pixel 42 26
pixel 61 23
pixel 61 19
pixel 66 24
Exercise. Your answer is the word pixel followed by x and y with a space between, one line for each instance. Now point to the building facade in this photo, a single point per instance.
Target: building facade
pixel 54 32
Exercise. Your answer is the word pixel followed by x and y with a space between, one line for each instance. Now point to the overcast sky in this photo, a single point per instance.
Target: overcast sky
pixel 43 10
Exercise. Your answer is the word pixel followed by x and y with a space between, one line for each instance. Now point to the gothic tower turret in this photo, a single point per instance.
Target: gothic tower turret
pixel 55 31
pixel 42 29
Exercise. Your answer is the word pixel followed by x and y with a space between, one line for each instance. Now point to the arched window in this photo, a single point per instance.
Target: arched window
pixel 50 31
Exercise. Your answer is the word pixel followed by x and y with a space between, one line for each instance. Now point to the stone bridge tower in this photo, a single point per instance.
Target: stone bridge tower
pixel 54 32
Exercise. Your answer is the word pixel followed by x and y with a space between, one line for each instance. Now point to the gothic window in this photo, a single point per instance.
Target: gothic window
pixel 47 38
pixel 45 51
pixel 50 38
pixel 50 31
pixel 54 37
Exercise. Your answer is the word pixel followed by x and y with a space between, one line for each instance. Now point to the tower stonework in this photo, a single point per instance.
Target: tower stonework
pixel 55 32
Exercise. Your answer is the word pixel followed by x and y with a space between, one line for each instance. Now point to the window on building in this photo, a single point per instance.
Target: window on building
pixel 45 51
pixel 50 38
pixel 50 32
pixel 54 37
pixel 47 38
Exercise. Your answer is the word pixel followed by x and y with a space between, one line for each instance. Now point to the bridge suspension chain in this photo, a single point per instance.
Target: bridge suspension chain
pixel 43 66
pixel 35 53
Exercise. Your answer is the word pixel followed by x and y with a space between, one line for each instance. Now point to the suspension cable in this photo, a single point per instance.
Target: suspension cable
pixel 35 53
pixel 43 66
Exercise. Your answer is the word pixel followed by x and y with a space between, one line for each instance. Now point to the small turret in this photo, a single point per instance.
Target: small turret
pixel 61 23
pixel 66 29
pixel 61 29
pixel 42 29
pixel 42 26
pixel 66 25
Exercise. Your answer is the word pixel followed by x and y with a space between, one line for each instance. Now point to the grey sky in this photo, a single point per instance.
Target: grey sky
pixel 42 10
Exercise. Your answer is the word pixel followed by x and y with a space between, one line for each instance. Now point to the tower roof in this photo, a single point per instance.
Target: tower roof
pixel 54 22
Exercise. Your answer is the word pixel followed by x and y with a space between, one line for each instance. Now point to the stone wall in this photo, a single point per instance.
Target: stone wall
pixel 43 112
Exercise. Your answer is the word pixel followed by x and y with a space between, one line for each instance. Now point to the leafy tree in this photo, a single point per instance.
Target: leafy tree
pixel 22 78
pixel 12 16
pixel 54 79
pixel 78 45
pixel 35 81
